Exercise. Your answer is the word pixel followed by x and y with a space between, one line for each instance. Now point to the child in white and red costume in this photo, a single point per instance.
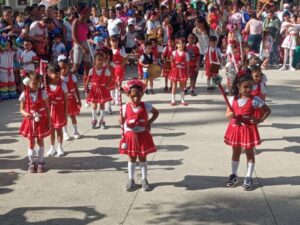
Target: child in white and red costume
pixel 137 136
pixel 36 125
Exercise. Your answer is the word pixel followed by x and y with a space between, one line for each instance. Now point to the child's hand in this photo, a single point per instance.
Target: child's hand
pixel 79 103
pixel 121 120
pixel 230 115
pixel 148 126
pixel 28 115
pixel 147 65
pixel 255 120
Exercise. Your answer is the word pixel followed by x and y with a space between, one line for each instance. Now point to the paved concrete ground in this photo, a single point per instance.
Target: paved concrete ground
pixel 188 171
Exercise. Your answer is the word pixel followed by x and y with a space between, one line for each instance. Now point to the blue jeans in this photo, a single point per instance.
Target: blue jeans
pixel 254 42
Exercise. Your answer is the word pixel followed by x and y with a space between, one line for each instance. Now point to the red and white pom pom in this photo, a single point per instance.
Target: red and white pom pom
pixel 26 81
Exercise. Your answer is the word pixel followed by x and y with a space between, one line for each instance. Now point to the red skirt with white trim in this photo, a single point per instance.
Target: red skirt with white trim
pixel 178 74
pixel 39 129
pixel 73 107
pixel 138 144
pixel 99 95
pixel 58 118
pixel 244 136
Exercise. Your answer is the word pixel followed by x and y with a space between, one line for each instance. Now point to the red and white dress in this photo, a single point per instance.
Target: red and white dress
pixel 30 128
pixel 259 90
pixel 211 56
pixel 167 54
pixel 99 93
pixel 140 52
pixel 240 131
pixel 73 107
pixel 119 71
pixel 179 66
pixel 56 95
pixel 194 54
pixel 137 137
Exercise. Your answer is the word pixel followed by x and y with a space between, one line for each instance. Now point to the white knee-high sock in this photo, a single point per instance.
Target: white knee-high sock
pixel 65 129
pixel 291 58
pixel 112 93
pixel 131 170
pixel 41 154
pixel 182 96
pixel 234 166
pixel 30 155
pixel 116 96
pixel 143 166
pixel 102 113
pixel 94 114
pixel 75 128
pixel 250 169
pixel 208 83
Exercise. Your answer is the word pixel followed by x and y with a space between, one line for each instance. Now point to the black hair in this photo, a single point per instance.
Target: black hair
pixel 202 19
pixel 140 36
pixel 47 20
pixel 28 40
pixel 213 38
pixel 239 80
pixel 41 6
pixel 53 68
pixel 148 43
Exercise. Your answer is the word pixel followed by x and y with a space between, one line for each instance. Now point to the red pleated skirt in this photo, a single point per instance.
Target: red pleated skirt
pixel 58 118
pixel 178 74
pixel 244 136
pixel 99 95
pixel 39 129
pixel 73 107
pixel 138 144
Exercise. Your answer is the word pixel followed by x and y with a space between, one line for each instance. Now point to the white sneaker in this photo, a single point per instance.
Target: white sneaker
pixel 76 135
pixel 282 68
pixel 67 137
pixel 60 152
pixel 102 125
pixel 51 152
pixel 292 68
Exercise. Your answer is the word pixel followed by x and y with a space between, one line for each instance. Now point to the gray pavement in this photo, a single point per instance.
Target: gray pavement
pixel 188 171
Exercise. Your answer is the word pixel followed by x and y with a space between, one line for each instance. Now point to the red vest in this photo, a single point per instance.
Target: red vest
pixel 57 96
pixel 99 80
pixel 139 118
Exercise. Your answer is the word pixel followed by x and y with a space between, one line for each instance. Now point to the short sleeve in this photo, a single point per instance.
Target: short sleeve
pixel 148 107
pixel 64 88
pixel 74 78
pixel 22 97
pixel 257 102
pixel 187 57
pixel 123 52
pixel 142 59
pixel 231 100
pixel 91 72
pixel 44 95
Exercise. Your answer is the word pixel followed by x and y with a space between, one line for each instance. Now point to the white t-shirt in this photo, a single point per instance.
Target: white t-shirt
pixel 130 40
pixel 35 30
pixel 112 26
pixel 150 25
pixel 63 86
pixel 58 49
pixel 99 72
pixel 33 96
pixel 95 20
pixel 256 103
pixel 148 107
pixel 26 57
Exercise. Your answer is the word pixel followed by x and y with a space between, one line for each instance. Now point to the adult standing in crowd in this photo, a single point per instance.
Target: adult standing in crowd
pixel 254 28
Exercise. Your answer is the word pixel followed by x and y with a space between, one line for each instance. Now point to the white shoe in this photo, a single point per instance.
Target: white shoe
pixel 282 68
pixel 51 152
pixel 76 135
pixel 60 152
pixel 292 68
pixel 67 137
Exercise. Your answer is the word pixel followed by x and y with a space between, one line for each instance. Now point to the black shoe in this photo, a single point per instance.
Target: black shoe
pixel 147 92
pixel 151 92
pixel 193 93
pixel 185 91
pixel 232 181
pixel 130 186
pixel 248 184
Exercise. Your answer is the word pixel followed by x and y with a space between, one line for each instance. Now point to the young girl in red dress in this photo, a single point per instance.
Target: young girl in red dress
pixel 58 98
pixel 119 60
pixel 213 55
pixel 74 102
pixel 100 78
pixel 166 57
pixel 180 70
pixel 36 125
pixel 259 87
pixel 194 54
pixel 242 132
pixel 140 51
pixel 137 127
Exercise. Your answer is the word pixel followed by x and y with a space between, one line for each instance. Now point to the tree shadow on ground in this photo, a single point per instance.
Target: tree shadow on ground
pixel 284 126
pixel 7 179
pixel 20 216
pixel 295 149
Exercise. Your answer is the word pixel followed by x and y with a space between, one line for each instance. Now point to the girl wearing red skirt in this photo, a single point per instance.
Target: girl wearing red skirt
pixel 180 70
pixel 194 54
pixel 36 125
pixel 137 136
pixel 74 102
pixel 242 133
pixel 119 60
pixel 140 51
pixel 100 78
pixel 259 87
pixel 58 97
pixel 166 57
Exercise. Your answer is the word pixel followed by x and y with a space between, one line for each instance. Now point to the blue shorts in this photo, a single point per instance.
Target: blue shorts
pixel 145 75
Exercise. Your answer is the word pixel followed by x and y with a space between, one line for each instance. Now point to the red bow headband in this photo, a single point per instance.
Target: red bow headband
pixel 134 83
